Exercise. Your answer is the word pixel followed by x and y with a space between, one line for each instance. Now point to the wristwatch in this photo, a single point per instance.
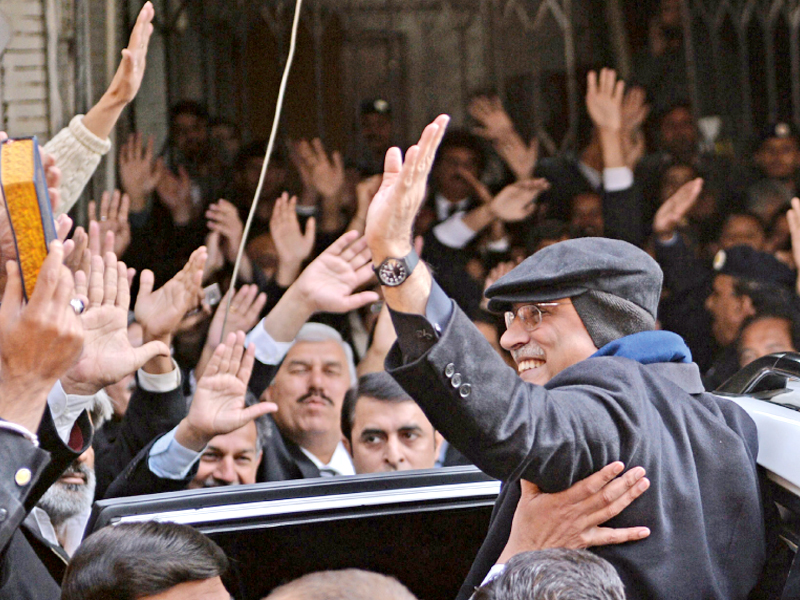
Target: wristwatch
pixel 394 271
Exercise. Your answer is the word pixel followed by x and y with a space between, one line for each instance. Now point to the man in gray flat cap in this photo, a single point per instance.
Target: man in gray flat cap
pixel 595 383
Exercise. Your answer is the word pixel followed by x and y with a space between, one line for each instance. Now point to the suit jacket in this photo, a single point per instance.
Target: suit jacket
pixel 703 507
pixel 28 567
pixel 282 459
pixel 149 416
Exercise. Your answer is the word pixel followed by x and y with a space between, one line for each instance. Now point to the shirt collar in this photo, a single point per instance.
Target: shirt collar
pixel 340 461
pixel 444 208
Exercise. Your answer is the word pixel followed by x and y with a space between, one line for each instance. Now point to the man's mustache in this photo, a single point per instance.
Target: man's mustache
pixel 316 393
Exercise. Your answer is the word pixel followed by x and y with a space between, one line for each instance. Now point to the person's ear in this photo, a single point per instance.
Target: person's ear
pixel 748 310
pixel 347 446
pixel 438 439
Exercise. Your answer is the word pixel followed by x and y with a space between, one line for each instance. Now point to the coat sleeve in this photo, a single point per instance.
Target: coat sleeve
pixel 137 479
pixel 509 428
pixel 27 471
pixel 149 416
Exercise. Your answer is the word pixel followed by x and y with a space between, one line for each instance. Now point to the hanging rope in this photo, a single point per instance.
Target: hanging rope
pixel 268 155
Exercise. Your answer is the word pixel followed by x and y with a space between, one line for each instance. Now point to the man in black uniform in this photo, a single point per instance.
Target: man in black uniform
pixel 595 383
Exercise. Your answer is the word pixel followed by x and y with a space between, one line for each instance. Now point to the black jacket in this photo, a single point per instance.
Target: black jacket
pixel 28 567
pixel 149 416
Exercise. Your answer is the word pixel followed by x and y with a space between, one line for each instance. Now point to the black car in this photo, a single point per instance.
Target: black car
pixel 425 527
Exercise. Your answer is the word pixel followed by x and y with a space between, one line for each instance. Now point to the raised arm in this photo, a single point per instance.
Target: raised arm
pixel 394 208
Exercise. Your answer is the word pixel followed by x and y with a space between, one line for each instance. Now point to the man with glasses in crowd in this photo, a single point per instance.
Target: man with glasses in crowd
pixel 595 383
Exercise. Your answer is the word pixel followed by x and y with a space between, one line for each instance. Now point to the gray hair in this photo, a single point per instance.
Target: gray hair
pixel 555 574
pixel 318 332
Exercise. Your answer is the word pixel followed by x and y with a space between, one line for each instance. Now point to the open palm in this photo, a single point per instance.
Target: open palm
pixel 393 209
pixel 160 312
pixel 218 406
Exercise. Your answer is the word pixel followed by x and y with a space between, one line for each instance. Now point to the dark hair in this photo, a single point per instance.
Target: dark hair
pixel 133 560
pixel 347 584
pixel 461 138
pixel 380 386
pixel 555 574
pixel 777 311
pixel 258 149
pixel 547 230
pixel 188 107
pixel 743 214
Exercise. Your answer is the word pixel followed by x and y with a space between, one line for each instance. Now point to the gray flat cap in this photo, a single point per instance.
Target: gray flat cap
pixel 570 268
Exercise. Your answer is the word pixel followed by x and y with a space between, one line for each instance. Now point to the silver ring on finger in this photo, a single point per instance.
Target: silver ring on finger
pixel 77 305
pixel 104 218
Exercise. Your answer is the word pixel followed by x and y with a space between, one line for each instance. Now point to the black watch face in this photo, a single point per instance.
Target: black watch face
pixel 392 272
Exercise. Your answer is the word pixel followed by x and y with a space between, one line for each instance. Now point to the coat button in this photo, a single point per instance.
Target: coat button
pixel 22 477
pixel 3 514
pixel 456 380
pixel 465 390
pixel 449 370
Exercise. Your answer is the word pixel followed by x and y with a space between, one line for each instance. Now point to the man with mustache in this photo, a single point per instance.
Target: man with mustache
pixel 309 389
pixel 594 384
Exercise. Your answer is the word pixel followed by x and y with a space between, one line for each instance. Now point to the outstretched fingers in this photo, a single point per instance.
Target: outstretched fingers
pixel 247 362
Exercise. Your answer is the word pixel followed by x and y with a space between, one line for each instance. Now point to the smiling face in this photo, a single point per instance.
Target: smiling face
pixel 559 341
pixel 309 389
pixel 391 436
pixel 230 459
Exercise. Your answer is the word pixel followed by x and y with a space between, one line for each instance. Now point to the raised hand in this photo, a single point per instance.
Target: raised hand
pixel 216 259
pixel 75 260
pixel 128 78
pixel 328 283
pixel 223 217
pixel 137 170
pixel 517 201
pixel 572 518
pixel 52 175
pixel 175 192
pixel 107 352
pixel 519 157
pixel 39 340
pixel 325 174
pixel 634 113
pixel 394 208
pixel 160 312
pixel 218 406
pixel 292 244
pixel 113 218
pixel 246 306
pixel 365 192
pixel 493 118
pixel 497 127
pixel 604 99
pixel 672 213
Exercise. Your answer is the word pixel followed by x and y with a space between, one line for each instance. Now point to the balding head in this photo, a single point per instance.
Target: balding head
pixel 348 584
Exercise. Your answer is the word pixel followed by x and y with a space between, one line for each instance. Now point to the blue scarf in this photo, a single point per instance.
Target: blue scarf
pixel 649 347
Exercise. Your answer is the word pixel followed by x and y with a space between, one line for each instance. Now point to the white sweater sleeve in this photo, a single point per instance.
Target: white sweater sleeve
pixel 78 152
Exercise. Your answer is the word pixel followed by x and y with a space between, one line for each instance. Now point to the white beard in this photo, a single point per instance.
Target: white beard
pixel 63 501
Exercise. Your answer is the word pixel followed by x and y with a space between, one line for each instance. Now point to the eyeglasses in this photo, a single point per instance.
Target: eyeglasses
pixel 530 315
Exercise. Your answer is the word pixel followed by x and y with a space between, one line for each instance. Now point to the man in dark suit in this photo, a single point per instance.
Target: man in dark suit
pixel 594 383
pixel 303 368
